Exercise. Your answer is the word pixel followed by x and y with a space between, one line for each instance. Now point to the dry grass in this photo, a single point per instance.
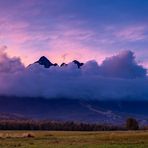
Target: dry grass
pixel 47 139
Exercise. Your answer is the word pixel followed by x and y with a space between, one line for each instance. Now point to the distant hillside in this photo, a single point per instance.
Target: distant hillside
pixel 93 111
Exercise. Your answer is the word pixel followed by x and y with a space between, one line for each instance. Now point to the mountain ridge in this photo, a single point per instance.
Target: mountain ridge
pixel 43 60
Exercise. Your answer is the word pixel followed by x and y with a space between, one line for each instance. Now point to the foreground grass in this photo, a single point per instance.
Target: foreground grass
pixel 47 139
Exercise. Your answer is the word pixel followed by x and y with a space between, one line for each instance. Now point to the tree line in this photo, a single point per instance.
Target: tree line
pixel 54 125
pixel 131 124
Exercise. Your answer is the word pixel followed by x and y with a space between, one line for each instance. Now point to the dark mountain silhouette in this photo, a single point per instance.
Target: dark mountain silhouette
pixel 44 61
pixel 47 64
pixel 63 64
pixel 78 63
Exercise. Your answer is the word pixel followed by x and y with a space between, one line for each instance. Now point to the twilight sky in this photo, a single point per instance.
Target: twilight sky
pixel 64 30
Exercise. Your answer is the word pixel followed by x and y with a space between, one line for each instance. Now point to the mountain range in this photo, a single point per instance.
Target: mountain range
pixel 47 64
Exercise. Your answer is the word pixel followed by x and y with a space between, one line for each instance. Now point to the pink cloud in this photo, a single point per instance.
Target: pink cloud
pixel 64 44
pixel 11 31
pixel 59 50
pixel 132 33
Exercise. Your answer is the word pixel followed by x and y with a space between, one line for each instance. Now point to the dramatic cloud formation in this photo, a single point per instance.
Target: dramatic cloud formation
pixel 122 65
pixel 9 65
pixel 118 77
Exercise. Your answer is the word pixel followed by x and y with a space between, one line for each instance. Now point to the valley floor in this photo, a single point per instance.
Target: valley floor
pixel 58 139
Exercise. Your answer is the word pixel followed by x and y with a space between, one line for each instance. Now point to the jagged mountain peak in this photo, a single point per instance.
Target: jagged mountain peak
pixel 44 61
pixel 78 63
pixel 63 64
pixel 47 64
pixel 43 58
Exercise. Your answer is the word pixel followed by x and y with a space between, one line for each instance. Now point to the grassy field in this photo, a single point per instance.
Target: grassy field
pixel 55 139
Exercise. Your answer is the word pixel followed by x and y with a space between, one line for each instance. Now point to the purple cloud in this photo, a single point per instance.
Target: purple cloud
pixel 118 77
pixel 122 65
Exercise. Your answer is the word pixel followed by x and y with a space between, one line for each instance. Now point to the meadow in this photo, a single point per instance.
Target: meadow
pixel 63 139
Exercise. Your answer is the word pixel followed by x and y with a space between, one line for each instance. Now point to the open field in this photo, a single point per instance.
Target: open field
pixel 56 139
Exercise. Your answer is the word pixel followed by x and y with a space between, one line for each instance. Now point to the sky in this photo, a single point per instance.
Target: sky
pixel 64 30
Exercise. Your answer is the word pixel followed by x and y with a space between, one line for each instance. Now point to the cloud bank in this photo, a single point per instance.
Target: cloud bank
pixel 118 77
